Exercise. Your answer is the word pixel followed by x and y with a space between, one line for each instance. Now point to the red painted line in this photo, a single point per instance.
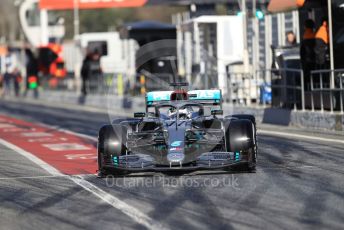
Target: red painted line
pixel 70 154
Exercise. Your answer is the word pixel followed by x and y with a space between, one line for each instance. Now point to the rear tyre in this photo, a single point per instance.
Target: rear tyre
pixel 111 142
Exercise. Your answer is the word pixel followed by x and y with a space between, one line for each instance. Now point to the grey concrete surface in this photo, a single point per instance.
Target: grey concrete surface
pixel 32 199
pixel 298 185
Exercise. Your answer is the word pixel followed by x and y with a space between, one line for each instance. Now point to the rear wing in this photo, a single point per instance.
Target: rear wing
pixel 152 98
pixel 205 97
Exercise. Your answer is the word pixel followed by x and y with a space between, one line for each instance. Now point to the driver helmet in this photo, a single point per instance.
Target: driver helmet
pixel 187 112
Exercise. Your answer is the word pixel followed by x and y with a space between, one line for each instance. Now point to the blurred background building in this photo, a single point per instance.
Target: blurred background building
pixel 242 47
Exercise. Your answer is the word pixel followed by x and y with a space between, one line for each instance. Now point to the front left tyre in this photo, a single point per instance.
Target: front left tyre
pixel 111 143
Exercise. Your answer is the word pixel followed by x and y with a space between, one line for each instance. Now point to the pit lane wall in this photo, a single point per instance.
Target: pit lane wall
pixel 284 117
pixel 276 116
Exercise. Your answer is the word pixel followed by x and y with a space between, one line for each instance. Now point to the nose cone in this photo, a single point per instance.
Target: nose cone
pixel 176 144
pixel 175 157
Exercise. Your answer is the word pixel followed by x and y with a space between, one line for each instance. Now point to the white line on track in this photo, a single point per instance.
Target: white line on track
pixel 30 177
pixel 39 177
pixel 115 202
pixel 33 158
pixel 295 136
pixel 68 131
pixel 134 213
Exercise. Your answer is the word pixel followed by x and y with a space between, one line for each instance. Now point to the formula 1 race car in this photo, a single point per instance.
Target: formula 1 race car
pixel 179 132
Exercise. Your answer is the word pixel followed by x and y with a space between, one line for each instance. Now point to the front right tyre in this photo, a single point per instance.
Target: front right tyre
pixel 240 136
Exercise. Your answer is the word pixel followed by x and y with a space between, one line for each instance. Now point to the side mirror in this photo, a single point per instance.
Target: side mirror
pixel 217 112
pixel 139 115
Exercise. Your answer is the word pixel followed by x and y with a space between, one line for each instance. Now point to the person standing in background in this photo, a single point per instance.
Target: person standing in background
pixel 7 83
pixel 85 74
pixel 1 85
pixel 17 80
pixel 307 53
pixel 291 39
pixel 321 46
pixel 96 73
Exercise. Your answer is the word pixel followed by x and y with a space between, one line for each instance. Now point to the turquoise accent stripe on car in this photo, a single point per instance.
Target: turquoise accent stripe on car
pixel 205 94
pixel 159 96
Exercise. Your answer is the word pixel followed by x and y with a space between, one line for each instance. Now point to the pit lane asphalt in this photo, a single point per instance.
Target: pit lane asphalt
pixel 298 185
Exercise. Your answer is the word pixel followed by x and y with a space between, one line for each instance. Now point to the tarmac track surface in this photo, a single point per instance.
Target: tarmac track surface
pixel 298 184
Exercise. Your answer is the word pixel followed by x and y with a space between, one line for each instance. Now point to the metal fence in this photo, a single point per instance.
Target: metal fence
pixel 289 89
pixel 327 88
pixel 287 86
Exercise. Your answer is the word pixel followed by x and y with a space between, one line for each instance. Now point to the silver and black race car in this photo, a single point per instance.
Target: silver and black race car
pixel 179 132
